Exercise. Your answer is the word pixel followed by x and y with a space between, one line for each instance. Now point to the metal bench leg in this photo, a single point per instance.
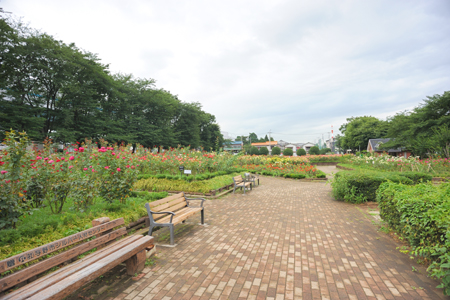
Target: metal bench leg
pixel 203 216
pixel 171 234
pixel 150 230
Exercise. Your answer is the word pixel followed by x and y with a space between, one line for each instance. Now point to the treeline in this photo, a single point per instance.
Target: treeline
pixel 52 89
pixel 425 131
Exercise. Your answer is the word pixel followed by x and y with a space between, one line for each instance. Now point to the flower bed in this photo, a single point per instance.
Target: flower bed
pixel 438 167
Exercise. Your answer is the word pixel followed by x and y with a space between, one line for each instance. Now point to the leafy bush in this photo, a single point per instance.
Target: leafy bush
pixel 301 152
pixel 324 151
pixel 420 214
pixel 361 186
pixel 288 152
pixel 295 176
pixel 276 151
pixel 314 150
pixel 263 151
pixel 254 151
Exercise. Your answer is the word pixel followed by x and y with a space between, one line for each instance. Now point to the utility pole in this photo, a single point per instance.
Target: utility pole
pixel 270 140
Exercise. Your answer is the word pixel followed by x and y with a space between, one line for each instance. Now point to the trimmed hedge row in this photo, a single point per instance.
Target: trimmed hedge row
pixel 360 186
pixel 421 214
pixel 319 174
pixel 190 178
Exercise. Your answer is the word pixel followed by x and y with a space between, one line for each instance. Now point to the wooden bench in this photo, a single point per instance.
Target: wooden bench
pixel 253 178
pixel 240 182
pixel 172 210
pixel 67 279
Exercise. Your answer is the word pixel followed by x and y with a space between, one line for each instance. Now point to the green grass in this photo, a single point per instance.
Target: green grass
pixel 43 227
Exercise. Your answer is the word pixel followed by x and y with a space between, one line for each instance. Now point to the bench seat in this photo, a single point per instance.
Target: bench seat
pixel 66 280
pixel 171 211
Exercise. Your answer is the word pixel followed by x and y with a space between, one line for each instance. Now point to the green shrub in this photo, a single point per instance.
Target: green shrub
pixel 254 151
pixel 288 152
pixel 276 151
pixel 420 214
pixel 314 150
pixel 295 176
pixel 324 151
pixel 301 152
pixel 263 151
pixel 361 186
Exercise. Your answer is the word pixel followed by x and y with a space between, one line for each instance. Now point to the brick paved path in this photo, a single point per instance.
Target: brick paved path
pixel 284 240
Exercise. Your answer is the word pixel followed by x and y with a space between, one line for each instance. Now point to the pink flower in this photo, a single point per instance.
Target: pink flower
pixel 70 167
pixel 72 157
pixel 107 167
pixel 117 156
pixel 113 153
pixel 38 157
pixel 4 172
pixel 85 169
pixel 7 181
pixel 63 158
pixel 50 161
pixel 81 149
pixel 118 170
pixel 93 170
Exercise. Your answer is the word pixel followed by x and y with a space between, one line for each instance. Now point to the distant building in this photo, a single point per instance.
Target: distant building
pixel 269 145
pixel 234 147
pixel 374 146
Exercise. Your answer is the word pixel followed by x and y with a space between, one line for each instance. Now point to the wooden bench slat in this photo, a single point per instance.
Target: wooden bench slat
pixel 36 269
pixel 52 278
pixel 166 218
pixel 184 216
pixel 168 205
pixel 164 200
pixel 22 258
pixel 91 271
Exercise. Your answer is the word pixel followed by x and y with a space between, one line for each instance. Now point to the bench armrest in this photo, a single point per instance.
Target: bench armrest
pixel 164 212
pixel 189 199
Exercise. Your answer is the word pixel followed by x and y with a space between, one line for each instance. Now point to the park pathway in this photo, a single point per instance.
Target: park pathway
pixel 284 240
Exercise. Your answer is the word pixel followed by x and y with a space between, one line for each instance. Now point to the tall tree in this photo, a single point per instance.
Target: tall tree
pixel 358 130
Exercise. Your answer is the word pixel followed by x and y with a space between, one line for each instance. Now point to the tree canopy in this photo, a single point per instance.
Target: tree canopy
pixel 52 89
pixel 424 131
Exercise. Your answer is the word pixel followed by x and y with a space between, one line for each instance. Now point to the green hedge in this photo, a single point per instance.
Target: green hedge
pixel 360 186
pixel 421 214
pixel 189 178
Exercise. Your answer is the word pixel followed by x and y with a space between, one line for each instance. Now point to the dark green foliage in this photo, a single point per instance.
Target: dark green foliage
pixel 424 129
pixel 314 150
pixel 357 132
pixel 295 176
pixel 288 152
pixel 301 152
pixel 361 186
pixel 263 151
pixel 52 89
pixel 254 151
pixel 276 151
pixel 325 151
pixel 420 214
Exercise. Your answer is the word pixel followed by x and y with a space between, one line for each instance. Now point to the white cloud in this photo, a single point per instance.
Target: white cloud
pixel 295 67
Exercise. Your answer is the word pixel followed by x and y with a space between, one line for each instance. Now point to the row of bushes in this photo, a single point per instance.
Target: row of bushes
pixel 319 174
pixel 420 214
pixel 190 178
pixel 360 186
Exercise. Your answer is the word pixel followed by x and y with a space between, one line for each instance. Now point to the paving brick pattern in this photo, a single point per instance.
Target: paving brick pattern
pixel 284 240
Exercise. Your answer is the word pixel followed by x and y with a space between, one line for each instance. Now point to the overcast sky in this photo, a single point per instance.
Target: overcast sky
pixel 293 67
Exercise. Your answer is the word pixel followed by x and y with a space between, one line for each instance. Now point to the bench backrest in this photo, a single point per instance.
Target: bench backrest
pixel 42 251
pixel 238 179
pixel 171 203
